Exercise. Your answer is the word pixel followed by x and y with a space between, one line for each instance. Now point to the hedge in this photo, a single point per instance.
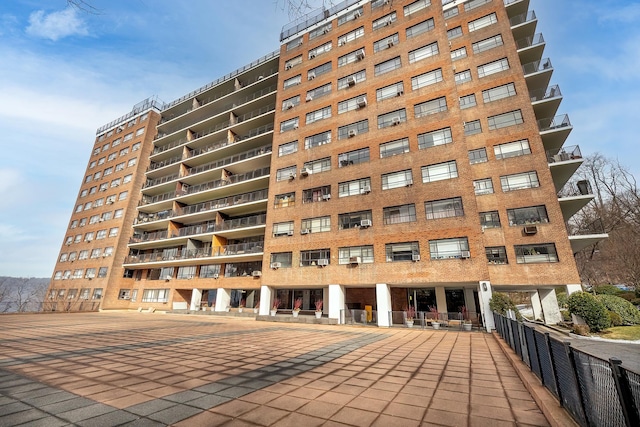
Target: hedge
pixel 592 310
pixel 627 311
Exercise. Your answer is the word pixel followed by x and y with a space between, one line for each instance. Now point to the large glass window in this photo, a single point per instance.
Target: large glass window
pixel 500 92
pixel 353 129
pixel 388 66
pixel 397 179
pixel 538 253
pixel 416 6
pixel 353 157
pixel 283 229
pixel 317 166
pixel 317 115
pixel 527 215
pixel 399 214
pixel 354 220
pixel 439 171
pixel 420 28
pixel 281 259
pixel 445 208
pixel 512 149
pixel 423 52
pixel 385 21
pixel 352 79
pixel 386 43
pixel 433 138
pixel 350 36
pixel 187 272
pixel 351 104
pixel 392 119
pixel 483 22
pixel 323 48
pixel 290 124
pixel 315 225
pixel 390 91
pixel 355 254
pixel 449 248
pixel 286 173
pixel 426 79
pixel 288 148
pixel 407 251
pixel 315 257
pixel 490 219
pixel 317 140
pixel 483 186
pixel 392 148
pixel 210 271
pixel 318 92
pixel 356 55
pixel 355 187
pixel 433 106
pixel 317 194
pixel 519 181
pixel 496 255
pixel 493 67
pixel 155 295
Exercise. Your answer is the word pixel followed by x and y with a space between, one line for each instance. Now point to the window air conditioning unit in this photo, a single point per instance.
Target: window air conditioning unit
pixel 295 126
pixel 288 105
pixel 256 273
pixel 530 229
pixel 365 223
pixel 216 275
pixel 305 231
pixel 167 278
pixel 356 14
pixel 365 190
pixel 326 197
pixel 290 233
pixel 351 81
pixel 304 172
pixel 288 67
pixel 465 254
pixel 400 93
pixel 362 102
pixel 342 41
pixel 323 262
pixel 415 257
pixel 352 133
pixel 292 177
pixel 309 97
pixel 388 21
pixel 360 54
pixel 390 43
pixel 276 265
pixel 355 260
pixel 395 121
pixel 325 30
pixel 311 75
pixel 312 55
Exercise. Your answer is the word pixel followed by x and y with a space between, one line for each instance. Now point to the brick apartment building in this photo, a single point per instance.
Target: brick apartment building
pixel 391 154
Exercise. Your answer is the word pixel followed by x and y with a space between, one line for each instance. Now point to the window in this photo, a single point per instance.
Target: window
pixel 105 148
pixel 459 53
pixel 93 219
pixel 78 238
pixel 135 147
pixel 420 28
pixel 392 148
pixel 290 124
pixel 399 214
pixel 113 232
pixel 241 269
pixel 462 77
pixel 292 81
pixel 386 43
pixel 360 254
pixel 467 101
pixel 393 118
pixel 319 92
pixel 285 200
pixel 132 162
pixel 73 256
pixel 90 273
pixel 74 223
pixel 387 66
pixel 390 91
pixel 293 62
pixel 482 22
pixel 496 255
pixel 353 157
pixel 96 151
pixel 139 131
pixel 317 194
pixel 426 79
pixel 351 104
pixel 123 195
pixel 118 213
pixel 66 275
pixel 88 179
pixel 397 179
pixel 284 258
pixel 311 258
pixel 483 186
pixel 500 92
pixel 292 45
pixel 116 182
pixel 487 44
pixel 89 236
pixel 350 16
pixel 92 164
pixel 473 127
pixel 353 219
pixel 209 271
pixel 423 52
pixel 402 251
pixel 84 193
pixel 449 248
pixel 454 32
pixel 83 222
pixel 186 272
pixel 512 149
pixel 472 4
pixel 97 175
pixel 57 275
pixel 320 31
pixel 539 253
pixel 127 178
pixel 493 67
pixel 324 48
pixel 416 6
pixel 528 215
pixel 286 173
pixel 318 71
pixel 288 148
pixel 95 253
pixel 489 219
pixel 317 140
pixel 445 208
pixel 144 117
pixel 352 79
pixel 439 171
pixel 124 294
pixel 317 166
pixel 427 108
pixel 97 294
pixel 353 129
pixel 93 190
pixel 111 199
pixel 519 181
pixel 499 121
pixel 351 57
pixel 355 187
pixel 315 225
pixel 128 137
pixel 119 167
pixel 350 36
pixel 384 21
pixel 317 115
pixel 477 156
pixel 290 102
pixel 112 156
pixel 155 295
pixel 64 257
pixel 77 274
pixel 283 229
pixel 101 234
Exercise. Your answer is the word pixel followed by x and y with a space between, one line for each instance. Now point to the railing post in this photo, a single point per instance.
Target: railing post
pixel 629 409
pixel 574 374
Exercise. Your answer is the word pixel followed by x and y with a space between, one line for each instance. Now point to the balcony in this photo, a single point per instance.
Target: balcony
pixel 223 203
pixel 233 179
pixel 148 237
pixel 587 236
pixel 563 164
pixel 229 160
pixel 244 252
pixel 546 101
pixel 537 74
pixel 516 7
pixel 530 48
pixel 574 197
pixel 523 25
pixel 554 131
pixel 163 163
pixel 161 180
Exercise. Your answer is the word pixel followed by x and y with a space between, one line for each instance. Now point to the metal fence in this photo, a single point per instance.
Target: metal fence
pixel 594 391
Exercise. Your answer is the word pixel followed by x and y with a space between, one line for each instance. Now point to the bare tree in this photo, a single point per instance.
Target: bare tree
pixel 298 8
pixel 83 6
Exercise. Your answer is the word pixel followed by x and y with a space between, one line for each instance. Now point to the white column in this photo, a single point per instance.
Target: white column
pixel 469 300
pixel 223 299
pixel 336 301
pixel 266 294
pixel 196 298
pixel 484 295
pixel 383 302
pixel 441 299
pixel 573 288
pixel 550 307
pixel 536 305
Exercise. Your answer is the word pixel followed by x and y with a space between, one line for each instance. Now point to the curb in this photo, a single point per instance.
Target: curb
pixel 556 415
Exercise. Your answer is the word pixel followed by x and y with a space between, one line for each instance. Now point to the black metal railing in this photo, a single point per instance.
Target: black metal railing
pixel 594 391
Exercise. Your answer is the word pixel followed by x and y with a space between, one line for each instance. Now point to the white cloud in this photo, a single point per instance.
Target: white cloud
pixel 56 25
pixel 626 14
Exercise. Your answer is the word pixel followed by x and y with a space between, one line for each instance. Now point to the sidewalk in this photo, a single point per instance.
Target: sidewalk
pixel 138 369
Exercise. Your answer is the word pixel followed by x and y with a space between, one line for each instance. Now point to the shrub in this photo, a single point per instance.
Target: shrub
pixel 628 295
pixel 590 309
pixel 581 330
pixel 606 290
pixel 562 299
pixel 566 316
pixel 500 303
pixel 615 318
pixel 628 313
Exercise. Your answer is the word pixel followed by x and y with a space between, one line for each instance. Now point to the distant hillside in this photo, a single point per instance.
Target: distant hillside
pixel 21 294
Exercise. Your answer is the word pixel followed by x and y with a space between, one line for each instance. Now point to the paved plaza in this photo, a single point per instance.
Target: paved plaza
pixel 142 369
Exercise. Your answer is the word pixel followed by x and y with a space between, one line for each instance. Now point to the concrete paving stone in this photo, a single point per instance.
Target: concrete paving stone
pixel 174 414
pixel 288 403
pixel 211 388
pixel 484 422
pixel 445 418
pixel 454 387
pixel 355 416
pixel 86 412
pixel 455 406
pixel 393 421
pixel 235 391
pixel 146 408
pixel 496 401
pixel 114 418
pixel 319 409
pixel 379 394
pixel 532 417
pixel 204 419
pixel 163 391
pixel 297 420
pixel 368 404
pixel 67 405
pixel 405 411
pixel 13 407
pixel 264 415
pixel 208 401
pixel 47 421
pixel 17 418
pixel 260 397
pixel 480 410
pixel 143 422
pixel 33 387
pixel 234 408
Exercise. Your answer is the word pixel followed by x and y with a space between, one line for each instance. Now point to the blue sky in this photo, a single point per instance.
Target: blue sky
pixel 64 73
